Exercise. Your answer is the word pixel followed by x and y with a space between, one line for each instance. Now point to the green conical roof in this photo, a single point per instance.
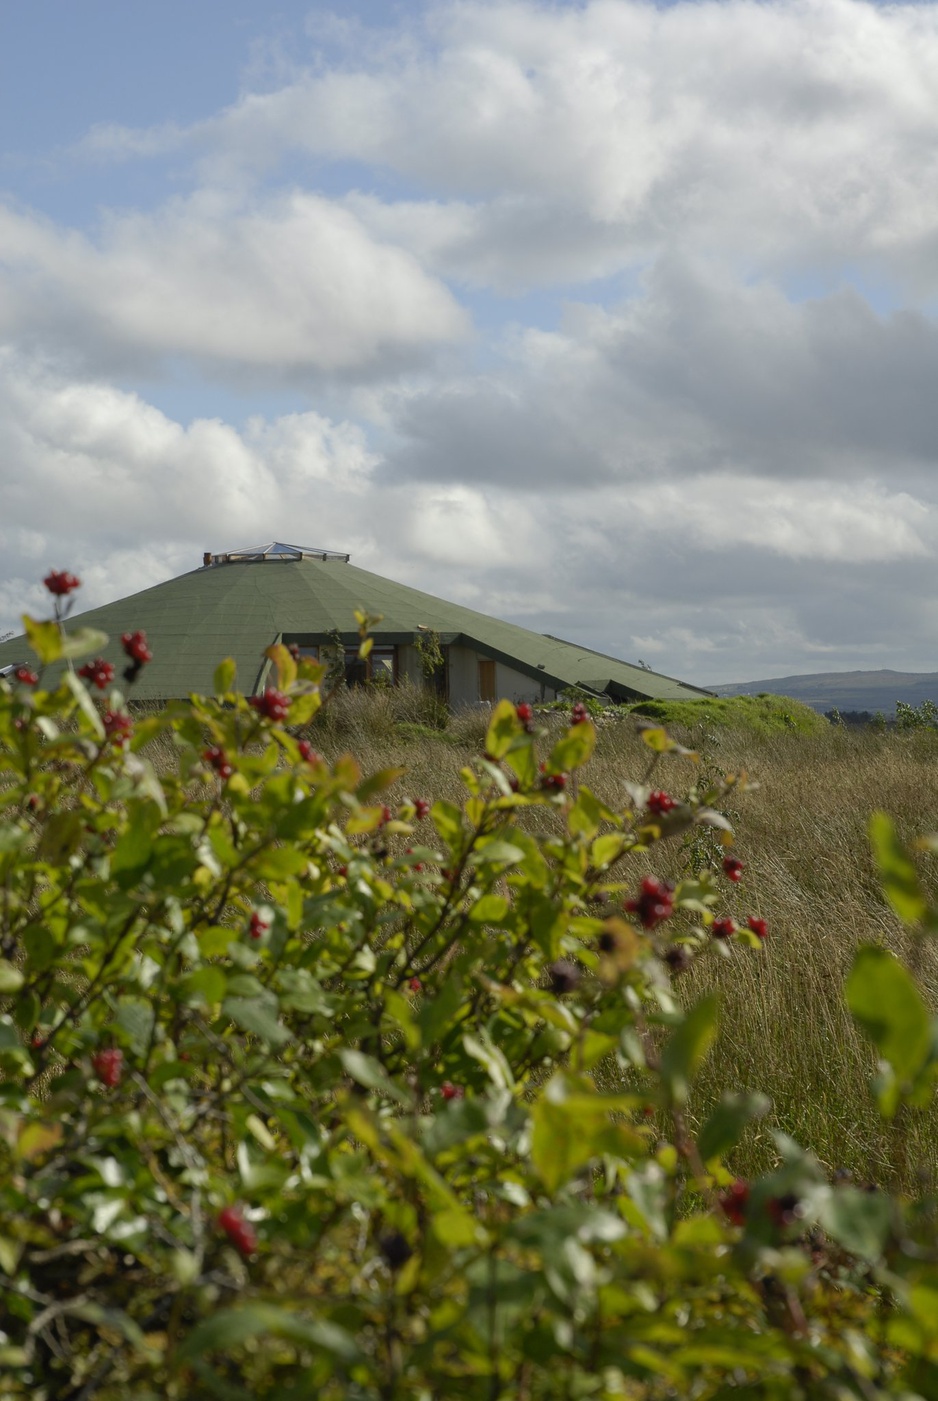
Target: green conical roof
pixel 240 602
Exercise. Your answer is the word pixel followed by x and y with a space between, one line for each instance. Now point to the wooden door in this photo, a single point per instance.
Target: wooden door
pixel 486 680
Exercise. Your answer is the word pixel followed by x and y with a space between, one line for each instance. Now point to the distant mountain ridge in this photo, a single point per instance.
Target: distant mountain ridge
pixel 845 690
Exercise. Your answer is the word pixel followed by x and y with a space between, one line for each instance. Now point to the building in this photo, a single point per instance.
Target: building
pixel 240 602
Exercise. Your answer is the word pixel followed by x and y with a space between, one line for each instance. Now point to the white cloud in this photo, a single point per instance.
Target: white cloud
pixel 699 374
pixel 588 136
pixel 291 285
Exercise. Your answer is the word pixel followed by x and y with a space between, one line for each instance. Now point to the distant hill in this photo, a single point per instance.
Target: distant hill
pixel 845 690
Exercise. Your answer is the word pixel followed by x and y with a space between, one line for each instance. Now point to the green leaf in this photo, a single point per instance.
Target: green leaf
pixel 85 704
pixel 372 1076
pixel 11 979
pixel 896 871
pixel 686 1049
pixel 283 661
pixel 82 642
pixel 377 783
pixel 44 638
pixel 885 1002
pixel 230 1327
pixel 448 821
pixel 135 1018
pixel 258 1015
pixel 206 985
pixel 573 749
pixel 225 674
pixel 504 728
pixel 726 1123
pixel 858 1220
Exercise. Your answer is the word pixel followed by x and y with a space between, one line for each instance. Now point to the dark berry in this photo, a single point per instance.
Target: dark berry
pixel 784 1210
pixel 421 808
pixel 118 727
pixel 735 1201
pixel 678 958
pixel 655 903
pixel 554 782
pixel 240 1232
pixel 272 705
pixel 60 582
pixel 395 1250
pixel 732 868
pixel 659 803
pixel 135 647
pixel 723 927
pixel 99 672
pixel 415 984
pixel 579 713
pixel 758 926
pixel 564 976
pixel 258 926
pixel 26 677
pixel 219 761
pixel 108 1066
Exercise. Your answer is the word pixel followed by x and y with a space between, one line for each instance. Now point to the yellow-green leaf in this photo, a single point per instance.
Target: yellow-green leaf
pixel 44 638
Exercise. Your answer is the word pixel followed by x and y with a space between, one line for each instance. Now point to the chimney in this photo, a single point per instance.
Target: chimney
pixel 206 559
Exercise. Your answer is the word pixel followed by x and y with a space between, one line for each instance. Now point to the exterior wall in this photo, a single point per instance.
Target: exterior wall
pixel 464 677
pixel 509 684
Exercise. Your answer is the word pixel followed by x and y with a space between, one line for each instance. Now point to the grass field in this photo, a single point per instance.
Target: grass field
pixel 802 835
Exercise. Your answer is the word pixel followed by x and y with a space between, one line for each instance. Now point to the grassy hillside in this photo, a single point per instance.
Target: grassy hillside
pixel 802 835
pixel 846 690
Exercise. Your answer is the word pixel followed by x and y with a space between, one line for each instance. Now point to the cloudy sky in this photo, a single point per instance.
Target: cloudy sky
pixel 616 319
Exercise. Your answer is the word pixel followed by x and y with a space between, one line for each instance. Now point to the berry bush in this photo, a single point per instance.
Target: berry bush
pixel 311 1089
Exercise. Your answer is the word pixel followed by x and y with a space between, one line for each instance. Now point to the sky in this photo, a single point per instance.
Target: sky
pixel 614 319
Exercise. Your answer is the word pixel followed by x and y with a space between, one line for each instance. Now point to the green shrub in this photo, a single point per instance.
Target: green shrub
pixel 760 715
pixel 302 1094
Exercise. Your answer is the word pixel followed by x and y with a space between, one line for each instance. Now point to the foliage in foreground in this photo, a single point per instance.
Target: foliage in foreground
pixel 305 1095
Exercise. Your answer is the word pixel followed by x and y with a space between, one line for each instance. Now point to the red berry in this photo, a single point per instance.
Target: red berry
pixel 108 1065
pixel 723 927
pixel 294 649
pixel 135 647
pixel 343 871
pixel 524 713
pixel 99 672
pixel 386 815
pixel 421 808
pixel 655 903
pixel 732 868
pixel 450 1091
pixel 415 985
pixel 240 1232
pixel 117 727
pixel 758 926
pixel 259 925
pixel 734 1202
pixel 272 705
pixel 219 761
pixel 578 714
pixel 26 677
pixel 659 803
pixel 307 752
pixel 60 582
pixel 554 782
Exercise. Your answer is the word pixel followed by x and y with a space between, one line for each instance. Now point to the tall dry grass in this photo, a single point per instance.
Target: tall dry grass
pixel 785 1029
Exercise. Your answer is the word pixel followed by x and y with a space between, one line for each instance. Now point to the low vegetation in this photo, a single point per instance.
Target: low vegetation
pixel 522 1057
